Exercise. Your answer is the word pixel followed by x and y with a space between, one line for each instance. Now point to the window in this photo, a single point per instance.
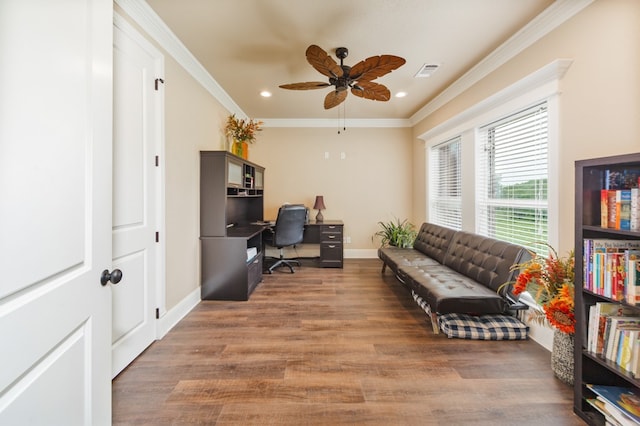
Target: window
pixel 512 179
pixel 445 198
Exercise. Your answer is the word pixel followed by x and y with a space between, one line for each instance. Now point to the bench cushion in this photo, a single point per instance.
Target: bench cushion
pixel 483 327
pixel 396 258
pixel 445 290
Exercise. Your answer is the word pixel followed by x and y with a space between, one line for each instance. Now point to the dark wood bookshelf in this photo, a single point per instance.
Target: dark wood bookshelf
pixel 591 368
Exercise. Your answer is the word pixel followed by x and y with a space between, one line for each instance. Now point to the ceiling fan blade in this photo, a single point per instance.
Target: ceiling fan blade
pixel 335 98
pixel 371 90
pixel 309 85
pixel 375 66
pixel 322 62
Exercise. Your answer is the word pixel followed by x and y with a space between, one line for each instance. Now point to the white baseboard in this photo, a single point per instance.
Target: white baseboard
pixel 175 314
pixel 541 335
pixel 361 254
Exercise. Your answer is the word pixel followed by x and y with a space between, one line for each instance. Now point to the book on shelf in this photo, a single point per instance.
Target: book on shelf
pixel 634 366
pixel 614 326
pixel 620 200
pixel 606 265
pixel 634 214
pixel 600 405
pixel 622 403
pixel 624 357
pixel 632 276
pixel 604 208
pixel 598 314
pixel 612 209
pixel 624 218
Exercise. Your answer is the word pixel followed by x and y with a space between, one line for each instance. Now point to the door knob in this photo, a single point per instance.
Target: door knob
pixel 114 276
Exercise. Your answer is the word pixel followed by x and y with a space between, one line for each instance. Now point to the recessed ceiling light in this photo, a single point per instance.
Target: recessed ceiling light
pixel 401 94
pixel 265 94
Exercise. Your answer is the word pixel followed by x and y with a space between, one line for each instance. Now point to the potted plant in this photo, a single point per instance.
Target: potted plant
pixel 396 233
pixel 243 133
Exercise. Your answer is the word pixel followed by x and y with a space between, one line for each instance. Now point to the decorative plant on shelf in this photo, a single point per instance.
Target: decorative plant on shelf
pixel 242 130
pixel 243 133
pixel 398 234
pixel 550 281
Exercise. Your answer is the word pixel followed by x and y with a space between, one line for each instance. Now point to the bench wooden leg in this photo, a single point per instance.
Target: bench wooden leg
pixel 384 267
pixel 434 323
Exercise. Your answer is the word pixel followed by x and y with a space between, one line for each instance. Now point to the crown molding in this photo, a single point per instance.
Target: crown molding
pixel 546 77
pixel 328 122
pixel 552 17
pixel 150 22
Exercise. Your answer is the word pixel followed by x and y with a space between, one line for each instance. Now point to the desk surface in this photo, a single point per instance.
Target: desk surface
pixel 310 223
pixel 325 222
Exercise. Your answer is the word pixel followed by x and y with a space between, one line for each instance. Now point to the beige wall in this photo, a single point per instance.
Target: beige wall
pixel 599 101
pixel 372 183
pixel 193 122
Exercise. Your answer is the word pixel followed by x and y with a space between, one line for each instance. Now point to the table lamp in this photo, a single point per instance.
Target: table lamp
pixel 319 205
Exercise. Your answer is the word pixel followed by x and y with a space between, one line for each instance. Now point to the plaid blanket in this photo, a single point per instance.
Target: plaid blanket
pixel 483 327
pixel 478 327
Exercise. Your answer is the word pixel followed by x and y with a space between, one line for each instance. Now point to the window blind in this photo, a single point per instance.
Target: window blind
pixel 512 173
pixel 445 192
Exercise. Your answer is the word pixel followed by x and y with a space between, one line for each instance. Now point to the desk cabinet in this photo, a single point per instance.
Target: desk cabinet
pixel 227 274
pixel 331 250
pixel 231 201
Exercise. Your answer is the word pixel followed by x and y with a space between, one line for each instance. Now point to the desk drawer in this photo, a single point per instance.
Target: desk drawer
pixel 331 255
pixel 329 233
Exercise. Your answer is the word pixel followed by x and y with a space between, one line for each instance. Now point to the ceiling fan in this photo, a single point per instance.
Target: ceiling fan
pixel 342 77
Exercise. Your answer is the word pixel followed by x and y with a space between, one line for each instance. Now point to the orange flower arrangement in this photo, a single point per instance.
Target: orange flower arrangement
pixel 550 281
pixel 242 130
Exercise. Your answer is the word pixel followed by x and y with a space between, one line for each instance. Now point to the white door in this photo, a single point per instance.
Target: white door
pixel 55 211
pixel 136 179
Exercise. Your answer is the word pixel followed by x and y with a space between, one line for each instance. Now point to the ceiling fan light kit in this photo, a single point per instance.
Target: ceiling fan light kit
pixel 343 77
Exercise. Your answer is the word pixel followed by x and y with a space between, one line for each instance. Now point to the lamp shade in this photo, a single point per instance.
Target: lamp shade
pixel 319 204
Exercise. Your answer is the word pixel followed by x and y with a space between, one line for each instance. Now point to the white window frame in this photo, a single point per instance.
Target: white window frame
pixel 445 209
pixel 510 152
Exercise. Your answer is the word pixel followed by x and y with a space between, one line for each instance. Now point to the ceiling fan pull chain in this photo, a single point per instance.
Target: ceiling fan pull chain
pixel 344 116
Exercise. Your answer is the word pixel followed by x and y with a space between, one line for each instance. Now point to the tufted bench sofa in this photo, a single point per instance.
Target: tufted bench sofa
pixel 456 271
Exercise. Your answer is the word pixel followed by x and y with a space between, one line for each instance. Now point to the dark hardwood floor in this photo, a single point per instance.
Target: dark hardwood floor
pixel 334 347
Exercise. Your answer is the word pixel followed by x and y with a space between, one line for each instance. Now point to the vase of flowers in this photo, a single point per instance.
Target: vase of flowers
pixel 243 132
pixel 550 281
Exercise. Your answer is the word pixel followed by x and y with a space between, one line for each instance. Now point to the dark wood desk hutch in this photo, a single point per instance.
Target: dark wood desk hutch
pixel 231 199
pixel 590 367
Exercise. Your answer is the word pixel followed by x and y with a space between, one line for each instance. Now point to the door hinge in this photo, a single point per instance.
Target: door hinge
pixel 157 313
pixel 159 80
pixel 157 161
pixel 157 237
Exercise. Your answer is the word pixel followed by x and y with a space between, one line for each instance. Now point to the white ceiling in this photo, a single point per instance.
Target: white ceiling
pixel 248 46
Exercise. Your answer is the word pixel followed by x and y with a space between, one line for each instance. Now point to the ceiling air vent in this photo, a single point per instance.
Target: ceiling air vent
pixel 426 70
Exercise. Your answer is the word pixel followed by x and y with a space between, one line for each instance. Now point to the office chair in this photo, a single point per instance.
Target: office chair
pixel 288 231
